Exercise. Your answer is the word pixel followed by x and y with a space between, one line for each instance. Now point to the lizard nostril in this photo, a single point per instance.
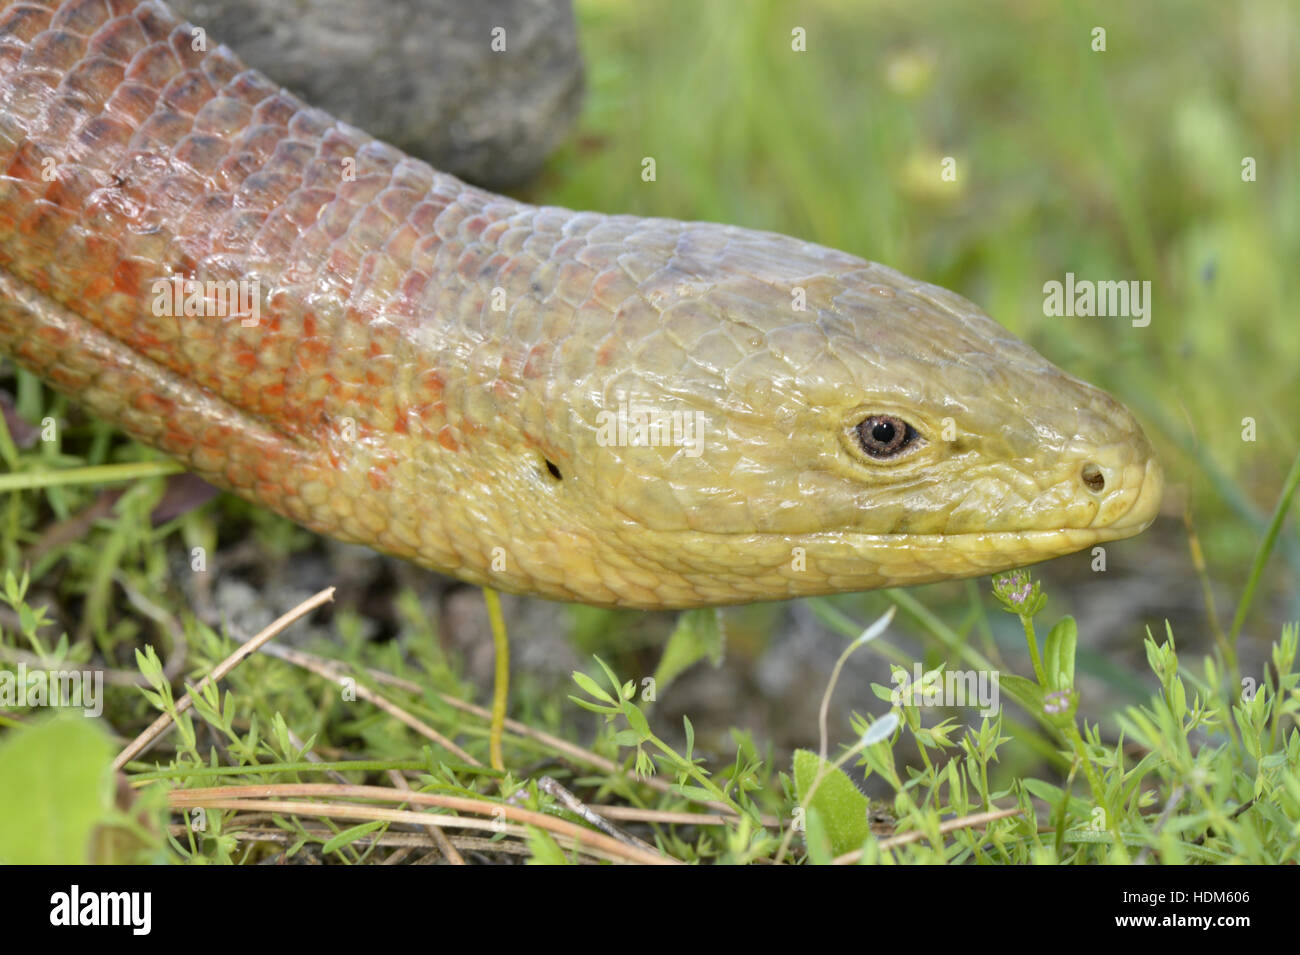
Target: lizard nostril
pixel 1093 478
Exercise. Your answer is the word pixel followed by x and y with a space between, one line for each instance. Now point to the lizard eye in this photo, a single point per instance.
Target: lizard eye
pixel 884 436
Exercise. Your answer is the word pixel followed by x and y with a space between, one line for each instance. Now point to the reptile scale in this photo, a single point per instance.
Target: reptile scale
pixel 434 369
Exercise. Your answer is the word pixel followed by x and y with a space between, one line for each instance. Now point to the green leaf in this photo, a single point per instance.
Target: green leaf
pixel 817 839
pixel 698 634
pixel 636 720
pixel 1058 653
pixel 348 836
pixel 1177 699
pixel 695 793
pixel 840 805
pixel 150 666
pixel 620 690
pixel 1053 795
pixel 883 692
pixel 56 786
pixel 591 687
pixel 1025 692
pixel 545 850
pixel 593 707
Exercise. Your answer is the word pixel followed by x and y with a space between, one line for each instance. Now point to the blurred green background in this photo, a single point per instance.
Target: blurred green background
pixel 1122 164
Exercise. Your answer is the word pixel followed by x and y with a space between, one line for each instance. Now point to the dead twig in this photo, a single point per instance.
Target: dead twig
pixel 333 672
pixel 267 799
pixel 575 805
pixel 965 822
pixel 444 844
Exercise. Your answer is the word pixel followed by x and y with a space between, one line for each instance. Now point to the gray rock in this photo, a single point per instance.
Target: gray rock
pixel 420 74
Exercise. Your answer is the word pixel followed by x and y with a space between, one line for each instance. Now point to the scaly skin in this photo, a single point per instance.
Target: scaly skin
pixel 425 348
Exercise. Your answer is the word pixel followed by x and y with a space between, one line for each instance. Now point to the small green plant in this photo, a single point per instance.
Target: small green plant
pixel 692 780
pixel 1206 771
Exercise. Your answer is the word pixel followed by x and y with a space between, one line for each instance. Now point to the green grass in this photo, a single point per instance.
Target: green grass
pixel 1202 772
pixel 1122 164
